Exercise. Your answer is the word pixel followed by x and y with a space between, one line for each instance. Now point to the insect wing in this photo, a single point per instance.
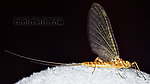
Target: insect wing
pixel 100 34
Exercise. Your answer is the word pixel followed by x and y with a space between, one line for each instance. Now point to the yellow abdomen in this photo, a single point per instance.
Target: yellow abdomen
pixel 101 64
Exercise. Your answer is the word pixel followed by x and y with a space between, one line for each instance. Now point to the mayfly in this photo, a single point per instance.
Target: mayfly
pixel 102 42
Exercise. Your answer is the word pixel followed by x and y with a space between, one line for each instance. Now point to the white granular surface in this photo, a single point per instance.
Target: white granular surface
pixel 83 75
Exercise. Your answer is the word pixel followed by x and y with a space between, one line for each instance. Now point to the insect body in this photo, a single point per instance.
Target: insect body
pixel 102 42
pixel 108 64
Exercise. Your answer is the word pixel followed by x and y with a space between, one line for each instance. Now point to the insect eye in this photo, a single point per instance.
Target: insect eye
pixel 127 62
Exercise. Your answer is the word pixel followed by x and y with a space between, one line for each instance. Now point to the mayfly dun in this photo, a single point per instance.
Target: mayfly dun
pixel 102 42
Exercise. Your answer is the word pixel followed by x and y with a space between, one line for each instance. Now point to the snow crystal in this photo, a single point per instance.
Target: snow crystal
pixel 83 75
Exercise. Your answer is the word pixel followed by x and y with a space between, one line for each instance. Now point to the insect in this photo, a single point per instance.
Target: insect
pixel 102 42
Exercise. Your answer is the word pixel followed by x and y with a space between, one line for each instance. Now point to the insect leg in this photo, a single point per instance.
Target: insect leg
pixel 119 73
pixel 94 68
pixel 96 60
pixel 138 69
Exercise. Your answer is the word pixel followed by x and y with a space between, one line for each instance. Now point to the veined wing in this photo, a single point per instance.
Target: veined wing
pixel 100 33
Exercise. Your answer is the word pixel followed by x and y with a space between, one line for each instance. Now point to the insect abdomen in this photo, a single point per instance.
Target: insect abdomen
pixel 95 64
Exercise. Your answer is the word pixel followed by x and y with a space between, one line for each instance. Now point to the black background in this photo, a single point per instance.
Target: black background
pixel 69 43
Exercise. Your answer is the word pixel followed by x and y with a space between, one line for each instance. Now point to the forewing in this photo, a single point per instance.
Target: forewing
pixel 100 33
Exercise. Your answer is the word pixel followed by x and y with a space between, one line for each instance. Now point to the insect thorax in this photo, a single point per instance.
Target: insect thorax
pixel 119 63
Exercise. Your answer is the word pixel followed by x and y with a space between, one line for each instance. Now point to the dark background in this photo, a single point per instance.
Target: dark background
pixel 69 43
